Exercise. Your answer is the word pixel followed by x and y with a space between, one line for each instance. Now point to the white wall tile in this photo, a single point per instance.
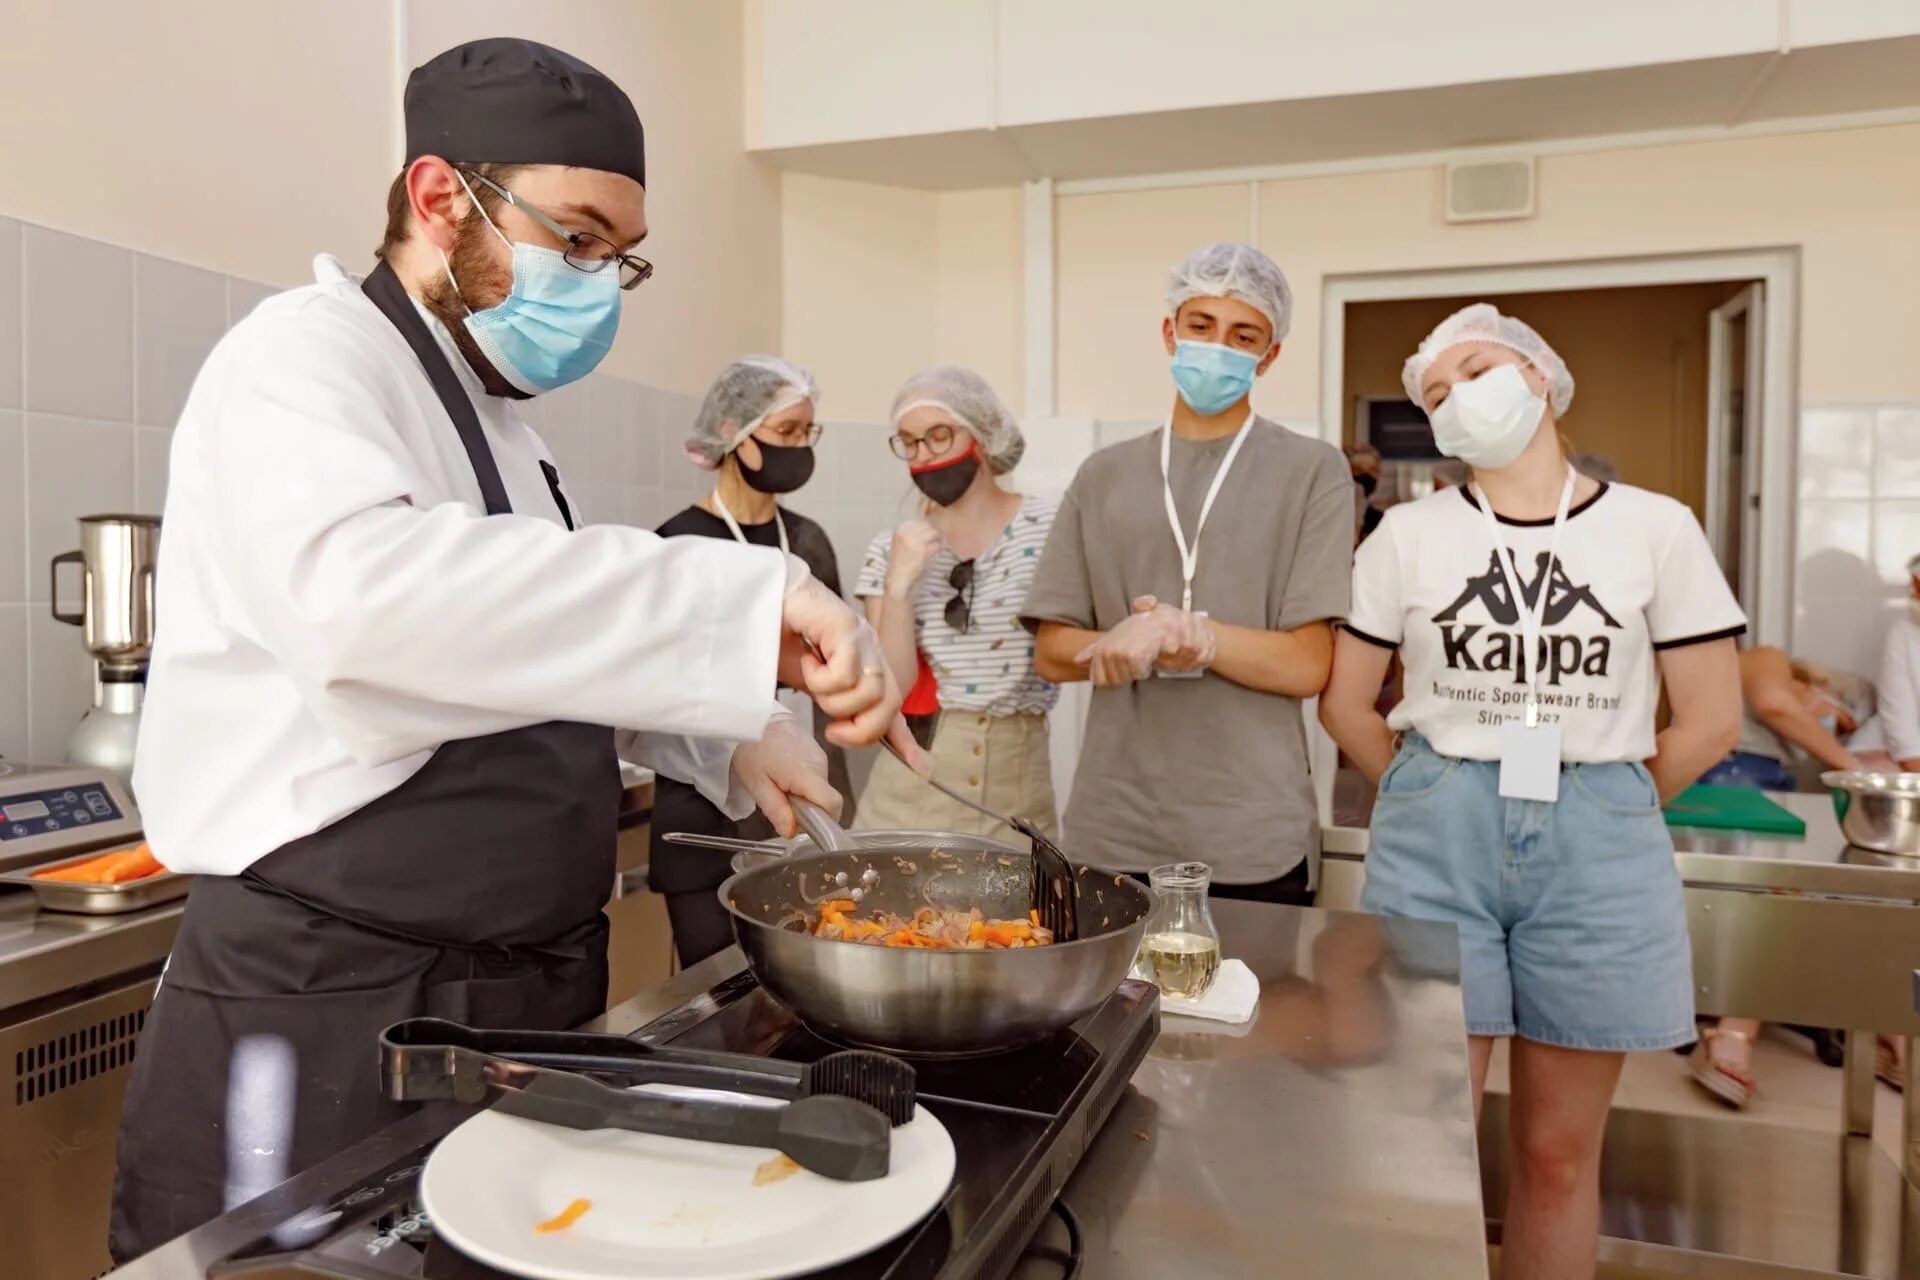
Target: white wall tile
pixel 179 313
pixel 79 326
pixel 13 508
pixel 151 449
pixel 1896 452
pixel 1835 548
pixel 75 468
pixel 11 287
pixel 244 295
pixel 13 681
pixel 61 689
pixel 1836 452
pixel 647 507
pixel 1896 539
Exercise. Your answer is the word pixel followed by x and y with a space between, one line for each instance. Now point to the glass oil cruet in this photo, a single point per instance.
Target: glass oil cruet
pixel 1180 951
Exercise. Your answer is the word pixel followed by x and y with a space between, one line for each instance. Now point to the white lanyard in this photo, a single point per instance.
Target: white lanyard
pixel 1190 556
pixel 779 525
pixel 1530 618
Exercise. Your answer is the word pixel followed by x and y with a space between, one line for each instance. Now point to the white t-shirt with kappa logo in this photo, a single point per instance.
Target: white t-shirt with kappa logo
pixel 1634 574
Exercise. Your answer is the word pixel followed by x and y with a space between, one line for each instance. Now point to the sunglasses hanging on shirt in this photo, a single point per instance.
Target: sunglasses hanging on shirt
pixel 959 612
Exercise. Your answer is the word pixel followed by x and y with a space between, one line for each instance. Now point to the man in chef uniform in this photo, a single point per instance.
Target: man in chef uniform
pixel 383 707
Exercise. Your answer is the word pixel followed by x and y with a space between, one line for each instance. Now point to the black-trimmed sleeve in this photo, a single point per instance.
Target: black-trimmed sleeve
pixel 1692 603
pixel 1378 611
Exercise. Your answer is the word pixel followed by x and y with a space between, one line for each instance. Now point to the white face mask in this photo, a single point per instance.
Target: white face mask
pixel 1488 422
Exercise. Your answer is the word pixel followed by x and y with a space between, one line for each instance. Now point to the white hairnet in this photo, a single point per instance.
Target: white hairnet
pixel 968 397
pixel 1482 322
pixel 740 399
pixel 1238 271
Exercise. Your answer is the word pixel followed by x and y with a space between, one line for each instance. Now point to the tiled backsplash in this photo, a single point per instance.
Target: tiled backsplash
pixel 1859 524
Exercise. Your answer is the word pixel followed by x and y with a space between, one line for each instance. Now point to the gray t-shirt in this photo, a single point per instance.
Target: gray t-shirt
pixel 1206 769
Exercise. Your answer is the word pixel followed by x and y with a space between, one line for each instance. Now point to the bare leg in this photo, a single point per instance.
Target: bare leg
pixel 1479 1057
pixel 1560 1101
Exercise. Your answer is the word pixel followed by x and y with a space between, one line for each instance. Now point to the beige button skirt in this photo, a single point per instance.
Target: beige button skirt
pixel 1001 762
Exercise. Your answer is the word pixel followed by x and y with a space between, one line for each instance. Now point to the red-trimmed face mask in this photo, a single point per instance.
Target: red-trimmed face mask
pixel 944 481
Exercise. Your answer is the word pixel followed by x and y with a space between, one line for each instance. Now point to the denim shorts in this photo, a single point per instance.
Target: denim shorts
pixel 1572 927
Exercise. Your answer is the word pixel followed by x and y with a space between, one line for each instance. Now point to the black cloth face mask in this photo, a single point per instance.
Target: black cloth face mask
pixel 944 482
pixel 783 468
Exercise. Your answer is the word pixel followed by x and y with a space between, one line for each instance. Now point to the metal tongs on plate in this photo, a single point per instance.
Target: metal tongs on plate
pixel 836 1120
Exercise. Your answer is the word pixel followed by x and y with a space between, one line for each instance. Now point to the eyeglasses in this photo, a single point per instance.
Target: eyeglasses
pixel 938 437
pixel 959 612
pixel 585 251
pixel 791 435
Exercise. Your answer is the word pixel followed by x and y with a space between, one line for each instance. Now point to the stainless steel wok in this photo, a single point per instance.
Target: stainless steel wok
pixel 927 1002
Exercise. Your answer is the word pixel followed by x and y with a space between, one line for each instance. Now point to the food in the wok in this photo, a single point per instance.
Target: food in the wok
pixel 928 927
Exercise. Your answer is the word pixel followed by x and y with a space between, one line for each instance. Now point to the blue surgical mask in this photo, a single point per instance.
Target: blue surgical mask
pixel 1831 723
pixel 554 326
pixel 1212 378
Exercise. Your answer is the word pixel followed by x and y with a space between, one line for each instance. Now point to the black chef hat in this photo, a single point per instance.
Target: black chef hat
pixel 506 101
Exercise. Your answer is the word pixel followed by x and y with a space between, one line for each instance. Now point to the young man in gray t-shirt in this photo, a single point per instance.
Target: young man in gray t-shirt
pixel 1201 640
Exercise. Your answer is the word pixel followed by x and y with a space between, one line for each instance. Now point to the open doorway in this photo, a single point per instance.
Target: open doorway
pixel 1662 399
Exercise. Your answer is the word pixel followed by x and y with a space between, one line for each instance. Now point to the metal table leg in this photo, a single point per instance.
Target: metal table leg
pixel 1856 1089
pixel 1910 1115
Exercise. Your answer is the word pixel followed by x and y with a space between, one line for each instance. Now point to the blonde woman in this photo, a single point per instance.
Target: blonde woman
pixel 947 589
pixel 1537 612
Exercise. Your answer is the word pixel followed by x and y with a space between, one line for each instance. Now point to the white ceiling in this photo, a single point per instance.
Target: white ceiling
pixel 1831 80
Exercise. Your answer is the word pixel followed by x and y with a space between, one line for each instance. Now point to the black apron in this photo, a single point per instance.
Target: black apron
pixel 471 891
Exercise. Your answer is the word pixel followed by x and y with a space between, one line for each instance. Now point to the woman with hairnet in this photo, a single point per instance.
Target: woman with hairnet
pixel 755 431
pixel 945 592
pixel 1538 612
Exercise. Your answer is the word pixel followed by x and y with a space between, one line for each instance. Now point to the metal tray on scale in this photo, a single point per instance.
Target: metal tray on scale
pixel 97 899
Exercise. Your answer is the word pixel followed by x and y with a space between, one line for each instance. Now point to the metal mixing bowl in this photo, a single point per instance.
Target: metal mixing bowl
pixel 1877 811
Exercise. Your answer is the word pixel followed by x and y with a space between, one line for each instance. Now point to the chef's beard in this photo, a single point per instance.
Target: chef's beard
pixel 483 283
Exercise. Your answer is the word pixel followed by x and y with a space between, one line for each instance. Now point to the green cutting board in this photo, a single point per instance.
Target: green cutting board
pixel 1732 809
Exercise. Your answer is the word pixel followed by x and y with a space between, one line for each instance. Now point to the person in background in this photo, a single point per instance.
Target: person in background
pixel 1194 576
pixel 756 430
pixel 1450 474
pixel 1363 461
pixel 945 592
pixel 1538 612
pixel 1900 682
pixel 1794 710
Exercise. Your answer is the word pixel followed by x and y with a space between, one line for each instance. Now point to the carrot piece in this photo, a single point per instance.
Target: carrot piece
pixel 565 1218
pixel 118 867
pixel 1033 914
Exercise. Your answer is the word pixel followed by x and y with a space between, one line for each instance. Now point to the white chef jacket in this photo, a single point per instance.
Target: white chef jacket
pixel 333 602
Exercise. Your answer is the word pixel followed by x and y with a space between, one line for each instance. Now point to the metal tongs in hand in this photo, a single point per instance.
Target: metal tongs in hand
pixel 1053 875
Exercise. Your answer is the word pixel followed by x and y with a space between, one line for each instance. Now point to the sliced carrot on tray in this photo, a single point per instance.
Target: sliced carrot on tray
pixel 118 867
pixel 565 1218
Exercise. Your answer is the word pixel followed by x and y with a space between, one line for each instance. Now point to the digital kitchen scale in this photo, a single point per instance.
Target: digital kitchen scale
pixel 1020 1122
pixel 51 811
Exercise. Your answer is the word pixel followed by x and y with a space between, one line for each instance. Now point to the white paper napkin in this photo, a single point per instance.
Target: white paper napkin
pixel 1232 997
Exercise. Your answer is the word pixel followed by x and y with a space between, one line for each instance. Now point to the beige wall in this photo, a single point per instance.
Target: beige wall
pixel 232 134
pixel 246 136
pixel 1846 199
pixel 880 281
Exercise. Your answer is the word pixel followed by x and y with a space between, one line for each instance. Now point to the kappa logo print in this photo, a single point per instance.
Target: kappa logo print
pixel 1478 646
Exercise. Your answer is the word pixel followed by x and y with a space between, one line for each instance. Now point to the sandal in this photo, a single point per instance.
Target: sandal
pixel 1729 1084
pixel 1887 1065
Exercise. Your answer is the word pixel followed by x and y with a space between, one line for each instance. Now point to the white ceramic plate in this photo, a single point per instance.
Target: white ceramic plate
pixel 666 1208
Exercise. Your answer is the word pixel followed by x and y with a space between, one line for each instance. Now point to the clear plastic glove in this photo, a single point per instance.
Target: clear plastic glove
pixel 915 543
pixel 786 761
pixel 1129 651
pixel 830 652
pixel 1193 643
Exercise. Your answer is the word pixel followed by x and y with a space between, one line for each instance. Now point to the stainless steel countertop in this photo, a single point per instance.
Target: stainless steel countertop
pixel 1334 1132
pixel 1331 1136
pixel 49 953
pixel 1820 862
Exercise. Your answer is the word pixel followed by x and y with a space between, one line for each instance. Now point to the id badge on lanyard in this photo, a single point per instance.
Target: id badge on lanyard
pixel 1530 750
pixel 796 702
pixel 1190 555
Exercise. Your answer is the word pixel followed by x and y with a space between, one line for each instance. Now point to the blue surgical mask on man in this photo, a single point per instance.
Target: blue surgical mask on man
pixel 1212 378
pixel 556 323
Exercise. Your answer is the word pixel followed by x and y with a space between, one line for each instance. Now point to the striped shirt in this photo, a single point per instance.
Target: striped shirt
pixel 989 667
